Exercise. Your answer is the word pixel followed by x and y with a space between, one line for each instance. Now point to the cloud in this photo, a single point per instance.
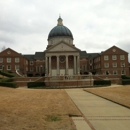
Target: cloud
pixel 96 25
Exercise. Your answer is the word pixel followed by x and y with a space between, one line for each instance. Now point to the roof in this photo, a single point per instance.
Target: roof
pixel 83 54
pixel 113 47
pixel 39 55
pixel 60 30
pixel 92 55
pixel 29 57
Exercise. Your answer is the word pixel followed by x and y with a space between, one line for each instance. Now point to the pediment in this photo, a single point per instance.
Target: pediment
pixel 10 52
pixel 62 47
pixel 114 50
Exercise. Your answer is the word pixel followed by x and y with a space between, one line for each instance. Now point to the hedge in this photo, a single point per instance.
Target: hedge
pixel 9 84
pixel 6 80
pixel 6 74
pixel 102 82
pixel 125 81
pixel 125 77
pixel 35 84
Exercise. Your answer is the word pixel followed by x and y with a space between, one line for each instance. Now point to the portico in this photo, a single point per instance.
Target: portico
pixel 62 64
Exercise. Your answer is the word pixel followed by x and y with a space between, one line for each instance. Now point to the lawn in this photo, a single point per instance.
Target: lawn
pixel 35 109
pixel 117 94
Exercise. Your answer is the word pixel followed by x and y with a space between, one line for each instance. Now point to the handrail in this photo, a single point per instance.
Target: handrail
pixel 18 73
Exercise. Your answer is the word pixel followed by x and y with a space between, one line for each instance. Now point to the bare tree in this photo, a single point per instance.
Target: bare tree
pixel 3 48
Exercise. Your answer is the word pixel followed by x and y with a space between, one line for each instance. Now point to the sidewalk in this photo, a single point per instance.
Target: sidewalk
pixel 98 113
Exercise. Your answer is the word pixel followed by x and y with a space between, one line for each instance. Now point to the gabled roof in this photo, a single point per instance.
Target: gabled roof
pixel 29 57
pixel 11 50
pixel 39 55
pixel 113 48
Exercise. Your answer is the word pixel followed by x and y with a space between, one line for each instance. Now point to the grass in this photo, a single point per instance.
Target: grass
pixel 52 118
pixel 35 109
pixel 120 95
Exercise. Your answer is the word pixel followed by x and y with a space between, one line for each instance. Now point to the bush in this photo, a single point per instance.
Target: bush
pixel 7 80
pixel 125 81
pixel 8 84
pixel 6 74
pixel 102 82
pixel 35 84
pixel 125 77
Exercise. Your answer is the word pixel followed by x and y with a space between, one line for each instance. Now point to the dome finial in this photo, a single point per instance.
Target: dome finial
pixel 60 21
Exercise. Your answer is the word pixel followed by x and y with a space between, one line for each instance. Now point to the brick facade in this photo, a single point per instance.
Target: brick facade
pixel 113 61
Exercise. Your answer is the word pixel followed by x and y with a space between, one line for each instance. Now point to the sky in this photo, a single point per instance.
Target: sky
pixel 96 25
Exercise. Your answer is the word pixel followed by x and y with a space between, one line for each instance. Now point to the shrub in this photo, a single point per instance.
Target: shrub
pixel 35 84
pixel 9 84
pixel 7 80
pixel 102 82
pixel 125 77
pixel 6 74
pixel 125 81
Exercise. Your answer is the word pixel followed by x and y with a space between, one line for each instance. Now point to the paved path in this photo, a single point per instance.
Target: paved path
pixel 98 113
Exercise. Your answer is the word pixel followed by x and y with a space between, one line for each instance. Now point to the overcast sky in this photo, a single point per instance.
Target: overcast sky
pixel 95 24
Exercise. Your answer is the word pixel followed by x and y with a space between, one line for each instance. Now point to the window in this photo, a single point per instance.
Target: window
pixel 8 67
pixel 16 67
pixel 31 69
pixel 1 60
pixel 84 67
pixel 107 72
pixel 114 64
pixel 123 72
pixel 1 67
pixel 17 60
pixel 106 65
pixel 114 72
pixel 37 69
pixel 114 57
pixel 122 57
pixel 8 60
pixel 31 62
pixel 90 62
pixel 122 64
pixel 106 57
pixel 91 67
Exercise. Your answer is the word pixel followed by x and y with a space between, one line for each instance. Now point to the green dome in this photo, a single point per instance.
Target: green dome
pixel 60 30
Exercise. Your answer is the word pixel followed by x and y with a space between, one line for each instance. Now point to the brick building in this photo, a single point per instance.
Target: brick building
pixel 61 57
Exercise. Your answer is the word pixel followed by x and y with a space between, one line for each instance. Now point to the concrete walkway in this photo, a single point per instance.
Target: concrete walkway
pixel 98 113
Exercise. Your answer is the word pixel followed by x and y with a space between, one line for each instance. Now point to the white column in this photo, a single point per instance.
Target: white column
pixel 66 64
pixel 46 69
pixel 49 65
pixel 57 65
pixel 74 64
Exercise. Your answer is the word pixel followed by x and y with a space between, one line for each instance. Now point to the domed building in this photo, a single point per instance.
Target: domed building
pixel 62 57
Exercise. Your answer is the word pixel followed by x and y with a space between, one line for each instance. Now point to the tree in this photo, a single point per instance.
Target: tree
pixel 3 48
